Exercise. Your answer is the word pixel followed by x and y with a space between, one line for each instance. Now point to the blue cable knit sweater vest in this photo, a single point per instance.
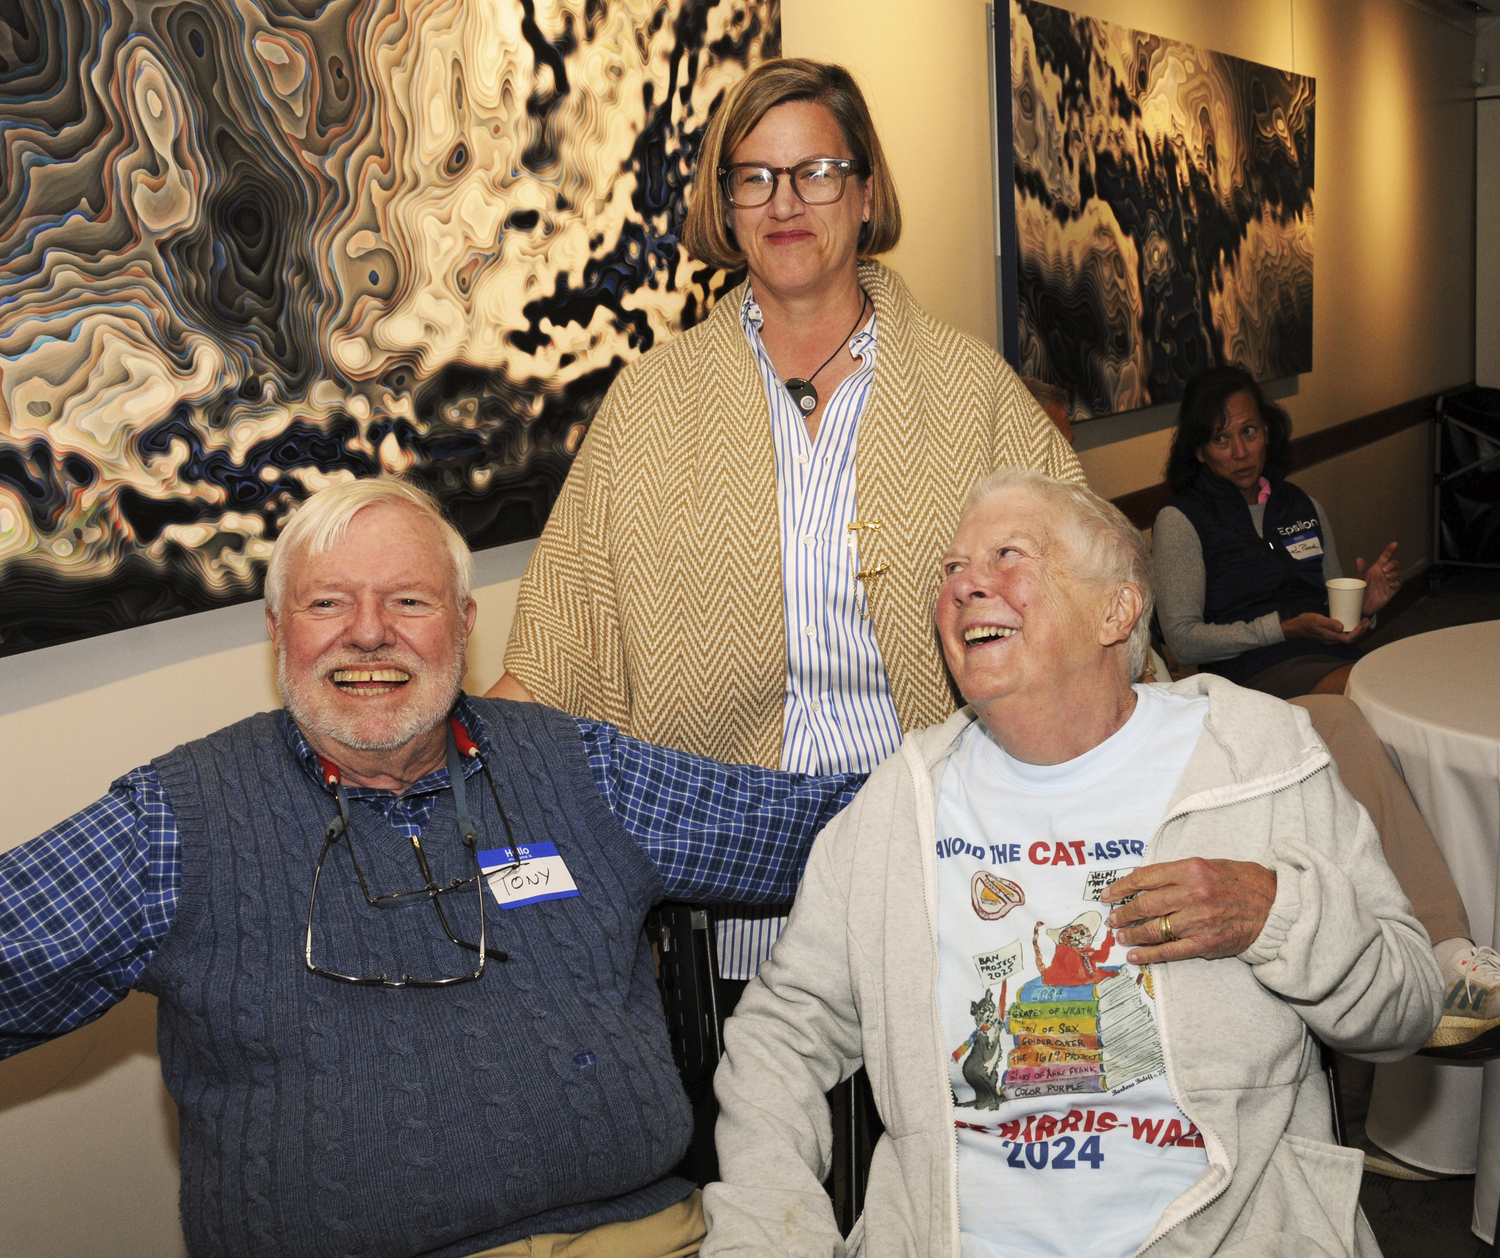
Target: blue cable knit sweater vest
pixel 320 1118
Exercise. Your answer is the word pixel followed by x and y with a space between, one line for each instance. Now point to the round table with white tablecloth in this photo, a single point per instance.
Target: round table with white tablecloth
pixel 1434 700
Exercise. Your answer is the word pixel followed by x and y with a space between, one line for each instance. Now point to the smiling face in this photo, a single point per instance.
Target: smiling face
pixel 1015 623
pixel 791 248
pixel 370 641
pixel 1237 450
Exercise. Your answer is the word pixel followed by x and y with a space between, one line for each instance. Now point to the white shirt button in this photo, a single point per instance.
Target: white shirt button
pixel 803 459
pixel 809 630
pixel 808 539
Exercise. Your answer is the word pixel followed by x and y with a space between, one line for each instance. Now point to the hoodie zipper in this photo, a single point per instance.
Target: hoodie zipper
pixel 926 807
pixel 1206 801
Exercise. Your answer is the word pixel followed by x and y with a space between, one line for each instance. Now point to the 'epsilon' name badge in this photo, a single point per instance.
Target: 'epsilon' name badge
pixel 542 875
pixel 1304 546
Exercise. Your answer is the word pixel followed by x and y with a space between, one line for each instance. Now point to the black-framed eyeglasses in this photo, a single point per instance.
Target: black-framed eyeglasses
pixel 430 891
pixel 817 181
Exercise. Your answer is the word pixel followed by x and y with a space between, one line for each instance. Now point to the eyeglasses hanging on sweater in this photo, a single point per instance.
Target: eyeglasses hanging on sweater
pixel 339 830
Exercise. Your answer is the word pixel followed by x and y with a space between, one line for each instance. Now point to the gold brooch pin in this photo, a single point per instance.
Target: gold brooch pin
pixel 867 572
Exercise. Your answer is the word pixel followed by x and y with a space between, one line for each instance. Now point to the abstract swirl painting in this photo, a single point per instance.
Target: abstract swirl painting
pixel 1162 215
pixel 251 247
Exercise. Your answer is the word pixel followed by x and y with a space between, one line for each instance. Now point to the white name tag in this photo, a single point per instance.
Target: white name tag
pixel 1304 546
pixel 542 875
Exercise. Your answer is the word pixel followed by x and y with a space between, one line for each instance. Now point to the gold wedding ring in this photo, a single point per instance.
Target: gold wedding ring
pixel 1164 924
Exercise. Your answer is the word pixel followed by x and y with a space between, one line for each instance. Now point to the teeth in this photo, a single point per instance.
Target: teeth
pixel 343 675
pixel 981 632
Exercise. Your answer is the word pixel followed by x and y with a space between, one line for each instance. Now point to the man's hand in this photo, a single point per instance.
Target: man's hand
pixel 1216 908
pixel 1318 628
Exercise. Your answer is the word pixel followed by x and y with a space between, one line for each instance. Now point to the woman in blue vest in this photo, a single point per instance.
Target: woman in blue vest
pixel 1242 555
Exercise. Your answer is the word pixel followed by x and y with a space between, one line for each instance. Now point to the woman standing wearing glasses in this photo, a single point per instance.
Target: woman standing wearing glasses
pixel 743 560
pixel 1241 554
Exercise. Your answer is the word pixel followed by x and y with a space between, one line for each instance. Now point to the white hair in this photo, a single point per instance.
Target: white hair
pixel 1107 548
pixel 323 520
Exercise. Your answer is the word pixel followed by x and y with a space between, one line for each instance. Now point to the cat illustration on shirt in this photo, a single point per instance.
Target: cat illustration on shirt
pixel 982 1067
pixel 1074 962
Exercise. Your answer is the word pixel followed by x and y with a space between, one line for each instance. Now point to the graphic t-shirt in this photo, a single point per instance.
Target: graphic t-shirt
pixel 1069 1141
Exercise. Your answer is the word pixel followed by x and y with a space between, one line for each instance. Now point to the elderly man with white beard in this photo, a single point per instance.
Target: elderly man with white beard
pixel 406 1003
pixel 1082 936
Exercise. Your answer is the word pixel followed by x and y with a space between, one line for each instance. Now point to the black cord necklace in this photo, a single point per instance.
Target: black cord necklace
pixel 802 391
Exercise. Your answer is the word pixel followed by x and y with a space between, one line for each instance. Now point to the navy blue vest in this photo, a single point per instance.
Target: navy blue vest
pixel 1247 574
pixel 319 1118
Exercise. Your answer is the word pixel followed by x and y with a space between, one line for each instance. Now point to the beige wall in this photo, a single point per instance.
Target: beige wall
pixel 87 1148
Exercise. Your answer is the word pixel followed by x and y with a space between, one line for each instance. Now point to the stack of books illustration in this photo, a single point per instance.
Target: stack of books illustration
pixel 1088 1038
pixel 1057 1041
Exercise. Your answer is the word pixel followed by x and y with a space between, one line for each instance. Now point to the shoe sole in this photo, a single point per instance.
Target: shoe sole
pixel 1379 1162
pixel 1391 1169
pixel 1464 1039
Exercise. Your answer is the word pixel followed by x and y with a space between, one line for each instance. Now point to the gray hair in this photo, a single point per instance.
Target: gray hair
pixel 1108 549
pixel 323 520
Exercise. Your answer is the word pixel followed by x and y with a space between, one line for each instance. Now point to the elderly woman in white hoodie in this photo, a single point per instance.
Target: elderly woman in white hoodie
pixel 1083 936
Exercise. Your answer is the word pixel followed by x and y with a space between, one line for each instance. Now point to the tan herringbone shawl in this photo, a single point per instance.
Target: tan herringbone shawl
pixel 654 597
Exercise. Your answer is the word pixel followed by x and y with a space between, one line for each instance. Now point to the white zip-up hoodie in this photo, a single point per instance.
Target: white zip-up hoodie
pixel 853 981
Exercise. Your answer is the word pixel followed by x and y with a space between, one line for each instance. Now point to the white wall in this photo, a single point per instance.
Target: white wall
pixel 86 1133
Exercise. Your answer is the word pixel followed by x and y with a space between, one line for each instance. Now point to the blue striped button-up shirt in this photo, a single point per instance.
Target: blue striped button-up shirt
pixel 839 714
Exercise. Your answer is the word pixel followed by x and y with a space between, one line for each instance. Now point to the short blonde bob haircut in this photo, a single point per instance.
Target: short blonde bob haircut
pixel 323 521
pixel 707 233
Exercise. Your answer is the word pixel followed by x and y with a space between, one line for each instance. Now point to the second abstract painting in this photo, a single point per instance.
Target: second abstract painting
pixel 1156 207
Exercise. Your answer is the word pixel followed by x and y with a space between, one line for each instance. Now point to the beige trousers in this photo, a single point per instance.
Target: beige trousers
pixel 675 1232
pixel 1408 844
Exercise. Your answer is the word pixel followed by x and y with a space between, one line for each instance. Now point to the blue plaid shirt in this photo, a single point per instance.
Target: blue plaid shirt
pixel 84 906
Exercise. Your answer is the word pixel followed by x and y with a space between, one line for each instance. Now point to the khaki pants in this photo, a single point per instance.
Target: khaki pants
pixel 675 1232
pixel 1408 844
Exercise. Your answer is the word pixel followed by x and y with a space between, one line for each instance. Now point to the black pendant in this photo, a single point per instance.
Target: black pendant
pixel 803 393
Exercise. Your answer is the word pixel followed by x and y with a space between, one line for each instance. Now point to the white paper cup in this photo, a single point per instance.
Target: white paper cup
pixel 1346 600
